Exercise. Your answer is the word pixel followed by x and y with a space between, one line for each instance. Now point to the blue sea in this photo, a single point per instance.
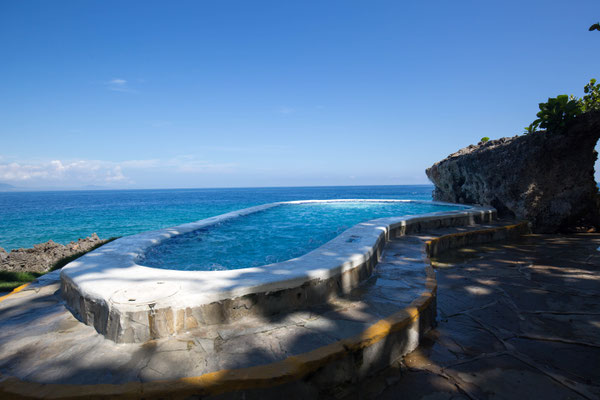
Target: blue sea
pixel 27 218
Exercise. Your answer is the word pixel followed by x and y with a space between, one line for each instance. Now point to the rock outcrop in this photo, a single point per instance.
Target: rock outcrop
pixel 544 177
pixel 42 257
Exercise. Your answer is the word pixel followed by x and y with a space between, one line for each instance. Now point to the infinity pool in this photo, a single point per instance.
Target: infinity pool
pixel 273 235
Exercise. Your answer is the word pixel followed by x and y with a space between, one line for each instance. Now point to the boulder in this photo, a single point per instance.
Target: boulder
pixel 545 177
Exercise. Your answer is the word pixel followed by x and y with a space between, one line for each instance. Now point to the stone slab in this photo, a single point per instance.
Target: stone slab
pixel 534 334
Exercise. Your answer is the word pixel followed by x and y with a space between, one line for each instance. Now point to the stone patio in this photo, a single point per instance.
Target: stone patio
pixel 519 320
pixel 515 320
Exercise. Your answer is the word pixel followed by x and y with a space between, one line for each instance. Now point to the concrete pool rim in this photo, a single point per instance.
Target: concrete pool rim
pixel 127 302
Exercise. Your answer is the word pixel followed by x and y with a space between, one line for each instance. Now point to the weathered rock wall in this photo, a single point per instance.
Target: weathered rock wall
pixel 544 177
pixel 43 256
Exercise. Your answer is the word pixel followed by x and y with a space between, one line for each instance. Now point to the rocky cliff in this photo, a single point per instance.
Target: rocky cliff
pixel 43 256
pixel 544 177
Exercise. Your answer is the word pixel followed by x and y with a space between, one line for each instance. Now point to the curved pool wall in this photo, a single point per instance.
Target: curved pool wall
pixel 127 302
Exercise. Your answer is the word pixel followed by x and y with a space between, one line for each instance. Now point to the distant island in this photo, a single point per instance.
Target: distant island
pixel 4 187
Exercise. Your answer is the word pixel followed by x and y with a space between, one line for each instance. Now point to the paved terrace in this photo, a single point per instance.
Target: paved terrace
pixel 516 321
pixel 519 320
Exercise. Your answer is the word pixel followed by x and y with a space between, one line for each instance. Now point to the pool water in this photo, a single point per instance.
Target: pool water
pixel 273 235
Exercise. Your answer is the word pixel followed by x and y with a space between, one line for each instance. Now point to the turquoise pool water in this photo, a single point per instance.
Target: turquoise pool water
pixel 273 235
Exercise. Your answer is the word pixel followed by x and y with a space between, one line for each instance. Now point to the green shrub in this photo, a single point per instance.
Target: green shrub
pixel 532 128
pixel 556 114
pixel 560 111
pixel 591 100
pixel 484 139
pixel 10 280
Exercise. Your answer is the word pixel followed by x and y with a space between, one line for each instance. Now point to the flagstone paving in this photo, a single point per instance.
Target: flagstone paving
pixel 518 320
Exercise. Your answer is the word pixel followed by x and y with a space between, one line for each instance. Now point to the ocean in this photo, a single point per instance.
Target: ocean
pixel 27 218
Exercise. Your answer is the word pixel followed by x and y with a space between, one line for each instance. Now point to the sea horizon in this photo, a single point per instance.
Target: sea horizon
pixel 100 189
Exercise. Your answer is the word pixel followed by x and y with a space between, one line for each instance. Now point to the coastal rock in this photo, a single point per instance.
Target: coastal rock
pixel 546 178
pixel 42 257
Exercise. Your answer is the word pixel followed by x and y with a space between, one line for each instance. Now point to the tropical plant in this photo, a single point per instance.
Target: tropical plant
pixel 532 128
pixel 556 114
pixel 591 100
pixel 560 111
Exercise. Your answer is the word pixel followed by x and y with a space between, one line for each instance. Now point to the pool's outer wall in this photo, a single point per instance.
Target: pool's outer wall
pixel 124 324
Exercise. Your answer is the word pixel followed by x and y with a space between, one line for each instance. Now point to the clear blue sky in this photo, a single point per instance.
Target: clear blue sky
pixel 148 94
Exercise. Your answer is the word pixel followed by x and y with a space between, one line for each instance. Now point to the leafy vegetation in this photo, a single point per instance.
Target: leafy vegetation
pixel 12 280
pixel 532 128
pixel 591 101
pixel 560 111
pixel 484 139
pixel 595 27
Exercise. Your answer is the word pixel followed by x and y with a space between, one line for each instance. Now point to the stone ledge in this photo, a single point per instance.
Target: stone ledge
pixel 455 240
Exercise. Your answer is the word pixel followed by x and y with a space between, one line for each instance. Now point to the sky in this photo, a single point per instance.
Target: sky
pixel 187 94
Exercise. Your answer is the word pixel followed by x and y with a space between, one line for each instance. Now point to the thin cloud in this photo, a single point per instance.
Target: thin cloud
pixel 119 85
pixel 59 172
pixel 99 172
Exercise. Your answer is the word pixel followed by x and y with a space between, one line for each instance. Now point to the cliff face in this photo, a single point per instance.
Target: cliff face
pixel 544 177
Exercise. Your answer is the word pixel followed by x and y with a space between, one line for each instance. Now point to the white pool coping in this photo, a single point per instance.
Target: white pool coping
pixel 112 277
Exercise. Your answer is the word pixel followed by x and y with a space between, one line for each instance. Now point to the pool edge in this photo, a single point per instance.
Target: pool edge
pixel 309 280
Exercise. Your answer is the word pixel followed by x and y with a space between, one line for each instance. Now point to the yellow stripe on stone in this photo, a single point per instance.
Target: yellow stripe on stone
pixel 15 290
